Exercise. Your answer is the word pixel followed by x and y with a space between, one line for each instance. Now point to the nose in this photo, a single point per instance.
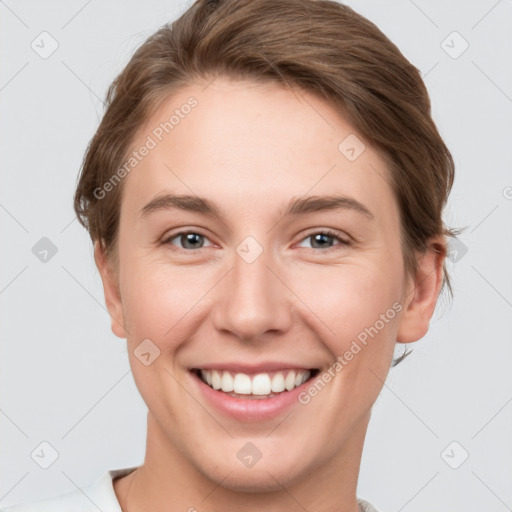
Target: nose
pixel 253 299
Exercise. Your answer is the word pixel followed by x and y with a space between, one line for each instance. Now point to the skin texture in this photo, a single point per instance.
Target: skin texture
pixel 250 148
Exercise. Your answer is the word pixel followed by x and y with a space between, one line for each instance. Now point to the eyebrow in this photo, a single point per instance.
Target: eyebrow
pixel 296 206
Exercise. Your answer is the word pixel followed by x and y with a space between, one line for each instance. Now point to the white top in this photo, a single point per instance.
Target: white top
pixel 100 495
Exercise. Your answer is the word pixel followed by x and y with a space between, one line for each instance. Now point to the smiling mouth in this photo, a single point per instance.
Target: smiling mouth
pixel 260 385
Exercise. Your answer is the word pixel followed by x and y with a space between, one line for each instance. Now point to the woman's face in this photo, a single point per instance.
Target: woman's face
pixel 258 288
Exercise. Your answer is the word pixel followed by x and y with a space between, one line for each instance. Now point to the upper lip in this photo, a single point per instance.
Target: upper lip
pixel 263 367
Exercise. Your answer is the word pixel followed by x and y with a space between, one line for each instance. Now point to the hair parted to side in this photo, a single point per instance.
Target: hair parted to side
pixel 319 46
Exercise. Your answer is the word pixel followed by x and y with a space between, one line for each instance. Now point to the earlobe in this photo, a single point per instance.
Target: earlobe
pixel 111 290
pixel 422 294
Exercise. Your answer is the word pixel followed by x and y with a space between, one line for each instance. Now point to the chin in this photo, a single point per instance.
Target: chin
pixel 262 480
pixel 268 474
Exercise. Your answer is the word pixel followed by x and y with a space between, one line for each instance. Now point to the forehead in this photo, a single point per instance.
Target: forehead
pixel 250 144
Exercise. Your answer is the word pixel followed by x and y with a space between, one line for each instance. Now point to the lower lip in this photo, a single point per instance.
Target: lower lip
pixel 250 409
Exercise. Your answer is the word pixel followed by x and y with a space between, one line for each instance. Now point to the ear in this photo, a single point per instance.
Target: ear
pixel 422 293
pixel 111 290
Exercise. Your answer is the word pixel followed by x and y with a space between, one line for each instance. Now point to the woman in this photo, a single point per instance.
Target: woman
pixel 292 142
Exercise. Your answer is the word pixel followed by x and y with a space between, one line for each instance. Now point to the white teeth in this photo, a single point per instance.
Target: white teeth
pixel 216 380
pixel 261 384
pixel 289 382
pixel 278 382
pixel 242 384
pixel 301 377
pixel 227 382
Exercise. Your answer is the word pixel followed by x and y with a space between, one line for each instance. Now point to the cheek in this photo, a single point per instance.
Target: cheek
pixel 160 300
pixel 359 303
pixel 159 304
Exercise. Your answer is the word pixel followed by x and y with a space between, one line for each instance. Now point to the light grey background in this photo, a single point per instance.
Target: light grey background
pixel 65 378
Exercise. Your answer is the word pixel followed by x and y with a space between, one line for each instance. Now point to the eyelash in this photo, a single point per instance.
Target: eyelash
pixel 330 233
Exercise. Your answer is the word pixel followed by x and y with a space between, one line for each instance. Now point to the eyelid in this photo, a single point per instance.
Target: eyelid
pixel 343 238
pixel 341 235
pixel 171 236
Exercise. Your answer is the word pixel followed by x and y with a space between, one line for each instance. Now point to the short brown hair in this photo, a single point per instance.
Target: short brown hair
pixel 320 46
